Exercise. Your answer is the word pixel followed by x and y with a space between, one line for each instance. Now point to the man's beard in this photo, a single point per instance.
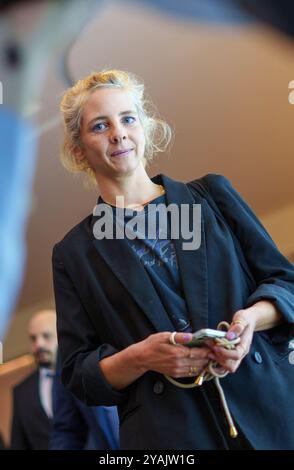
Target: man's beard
pixel 44 363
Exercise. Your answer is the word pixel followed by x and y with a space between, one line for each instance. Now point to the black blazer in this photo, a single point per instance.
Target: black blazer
pixel 31 426
pixel 77 426
pixel 106 302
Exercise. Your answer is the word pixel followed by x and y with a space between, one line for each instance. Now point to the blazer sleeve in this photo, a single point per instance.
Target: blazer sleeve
pixel 273 273
pixel 79 345
pixel 70 430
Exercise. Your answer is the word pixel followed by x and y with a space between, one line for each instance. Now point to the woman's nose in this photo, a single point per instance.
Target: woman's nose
pixel 118 138
pixel 118 134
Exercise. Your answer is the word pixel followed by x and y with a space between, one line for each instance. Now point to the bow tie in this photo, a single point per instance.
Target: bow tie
pixel 49 374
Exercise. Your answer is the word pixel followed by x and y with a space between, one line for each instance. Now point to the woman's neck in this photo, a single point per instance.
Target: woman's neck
pixel 135 189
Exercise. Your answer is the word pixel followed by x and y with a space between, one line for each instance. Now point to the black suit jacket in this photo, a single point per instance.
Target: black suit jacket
pixel 106 302
pixel 31 426
pixel 77 426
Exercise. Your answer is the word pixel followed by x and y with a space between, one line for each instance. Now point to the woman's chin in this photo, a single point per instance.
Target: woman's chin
pixel 126 165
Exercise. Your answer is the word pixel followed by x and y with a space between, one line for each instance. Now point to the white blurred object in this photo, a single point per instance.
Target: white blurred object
pixel 29 34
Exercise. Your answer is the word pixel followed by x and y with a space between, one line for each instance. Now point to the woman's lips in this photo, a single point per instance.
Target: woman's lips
pixel 121 153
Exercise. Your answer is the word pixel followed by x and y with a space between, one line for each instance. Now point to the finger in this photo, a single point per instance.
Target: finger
pixel 192 353
pixel 180 338
pixel 193 371
pixel 230 365
pixel 210 343
pixel 226 354
pixel 246 340
pixel 199 352
pixel 242 349
pixel 238 326
pixel 187 370
pixel 200 363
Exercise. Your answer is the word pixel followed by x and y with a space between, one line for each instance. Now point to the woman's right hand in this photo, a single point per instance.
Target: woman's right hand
pixel 158 354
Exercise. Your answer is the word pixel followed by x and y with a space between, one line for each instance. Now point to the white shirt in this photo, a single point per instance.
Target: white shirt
pixel 45 389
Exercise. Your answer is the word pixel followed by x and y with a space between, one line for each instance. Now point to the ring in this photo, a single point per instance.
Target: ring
pixel 172 338
pixel 241 322
pixel 192 370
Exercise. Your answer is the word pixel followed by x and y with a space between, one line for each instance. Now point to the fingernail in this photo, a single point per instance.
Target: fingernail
pixel 231 335
pixel 211 356
pixel 187 337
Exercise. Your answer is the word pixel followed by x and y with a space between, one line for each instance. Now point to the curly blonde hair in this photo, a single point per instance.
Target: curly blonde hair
pixel 158 133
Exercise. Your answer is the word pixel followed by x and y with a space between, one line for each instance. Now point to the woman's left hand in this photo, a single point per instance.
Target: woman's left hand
pixel 242 326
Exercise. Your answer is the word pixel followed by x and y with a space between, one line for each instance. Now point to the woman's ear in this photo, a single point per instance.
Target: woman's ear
pixel 80 156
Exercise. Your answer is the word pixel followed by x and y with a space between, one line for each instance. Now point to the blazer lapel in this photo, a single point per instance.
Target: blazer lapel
pixel 126 266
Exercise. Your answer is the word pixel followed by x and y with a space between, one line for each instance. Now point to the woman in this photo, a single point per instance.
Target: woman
pixel 127 305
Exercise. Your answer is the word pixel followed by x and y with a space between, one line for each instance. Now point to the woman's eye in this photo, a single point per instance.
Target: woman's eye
pixel 130 119
pixel 99 127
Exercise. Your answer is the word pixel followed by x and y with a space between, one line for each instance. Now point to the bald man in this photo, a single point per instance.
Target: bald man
pixel 32 398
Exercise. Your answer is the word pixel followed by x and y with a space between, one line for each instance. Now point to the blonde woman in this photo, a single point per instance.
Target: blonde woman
pixel 127 305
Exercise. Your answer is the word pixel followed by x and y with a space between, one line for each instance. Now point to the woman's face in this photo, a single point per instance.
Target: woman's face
pixel 110 125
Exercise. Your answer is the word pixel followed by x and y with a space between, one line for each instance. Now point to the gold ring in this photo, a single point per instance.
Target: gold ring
pixel 241 322
pixel 192 370
pixel 172 338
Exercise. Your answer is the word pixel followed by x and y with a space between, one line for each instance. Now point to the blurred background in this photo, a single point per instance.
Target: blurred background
pixel 218 76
